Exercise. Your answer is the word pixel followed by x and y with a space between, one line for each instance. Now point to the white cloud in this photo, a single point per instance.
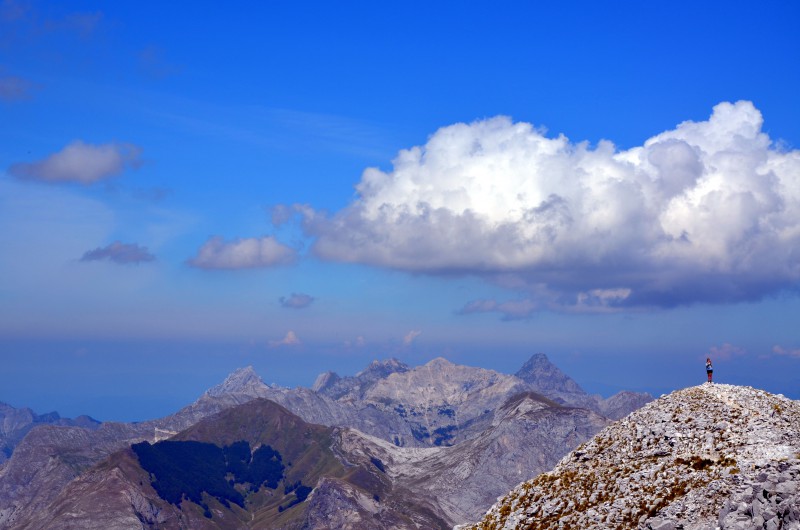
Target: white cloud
pixel 411 336
pixel 248 253
pixel 289 340
pixel 81 162
pixel 706 212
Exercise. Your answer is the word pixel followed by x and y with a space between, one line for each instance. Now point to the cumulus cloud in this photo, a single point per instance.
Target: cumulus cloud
pixel 706 212
pixel 411 336
pixel 117 252
pixel 81 162
pixel 247 253
pixel 296 301
pixel 289 340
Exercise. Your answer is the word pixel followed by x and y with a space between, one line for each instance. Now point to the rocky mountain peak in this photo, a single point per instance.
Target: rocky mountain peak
pixel 439 363
pixel 383 368
pixel 325 380
pixel 546 376
pixel 710 456
pixel 241 381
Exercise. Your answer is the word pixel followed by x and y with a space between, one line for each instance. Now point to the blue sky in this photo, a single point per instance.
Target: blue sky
pixel 308 186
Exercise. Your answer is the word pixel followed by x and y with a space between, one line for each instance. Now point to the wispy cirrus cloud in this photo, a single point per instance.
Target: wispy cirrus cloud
pixel 786 352
pixel 706 212
pixel 246 253
pixel 122 253
pixel 81 163
pixel 411 336
pixel 296 301
pixel 154 64
pixel 726 352
pixel 510 310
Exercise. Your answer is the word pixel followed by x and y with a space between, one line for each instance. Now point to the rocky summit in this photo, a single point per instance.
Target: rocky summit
pixel 708 457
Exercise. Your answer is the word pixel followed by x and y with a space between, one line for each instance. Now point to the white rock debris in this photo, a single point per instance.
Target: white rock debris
pixel 710 457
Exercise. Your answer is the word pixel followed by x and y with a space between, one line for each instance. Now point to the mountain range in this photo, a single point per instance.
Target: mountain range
pixel 391 447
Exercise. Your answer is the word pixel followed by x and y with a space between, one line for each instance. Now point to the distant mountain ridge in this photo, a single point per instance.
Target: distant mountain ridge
pixel 16 423
pixel 426 422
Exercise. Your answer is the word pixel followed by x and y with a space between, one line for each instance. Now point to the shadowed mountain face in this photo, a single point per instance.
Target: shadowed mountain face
pixel 424 424
pixel 251 466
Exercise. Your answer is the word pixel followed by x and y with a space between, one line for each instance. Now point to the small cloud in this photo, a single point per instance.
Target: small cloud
pixel 726 352
pixel 14 88
pixel 289 340
pixel 247 253
pixel 81 162
pixel 296 301
pixel 510 310
pixel 411 336
pixel 780 350
pixel 117 252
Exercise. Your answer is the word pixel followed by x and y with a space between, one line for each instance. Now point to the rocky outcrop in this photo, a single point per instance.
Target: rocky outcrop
pixel 711 456
pixel 622 403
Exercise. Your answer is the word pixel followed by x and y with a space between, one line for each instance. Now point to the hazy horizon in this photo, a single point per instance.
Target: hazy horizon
pixel 310 186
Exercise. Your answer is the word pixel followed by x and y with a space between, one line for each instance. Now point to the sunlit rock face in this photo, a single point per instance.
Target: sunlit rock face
pixel 711 456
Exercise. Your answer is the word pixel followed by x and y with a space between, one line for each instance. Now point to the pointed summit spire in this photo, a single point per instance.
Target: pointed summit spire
pixel 241 381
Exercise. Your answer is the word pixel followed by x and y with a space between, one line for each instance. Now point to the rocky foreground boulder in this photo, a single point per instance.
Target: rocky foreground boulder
pixel 706 457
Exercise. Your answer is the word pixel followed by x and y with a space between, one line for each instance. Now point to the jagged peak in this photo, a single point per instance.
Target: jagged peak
pixel 384 367
pixel 540 372
pixel 239 381
pixel 324 380
pixel 538 361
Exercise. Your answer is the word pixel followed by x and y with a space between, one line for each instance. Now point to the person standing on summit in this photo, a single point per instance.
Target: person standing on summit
pixel 709 368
